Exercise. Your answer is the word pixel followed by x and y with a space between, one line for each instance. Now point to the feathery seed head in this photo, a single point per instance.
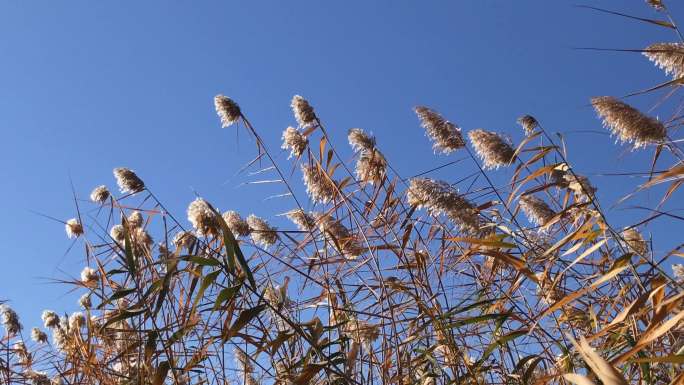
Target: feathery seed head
pixel 579 184
pixel 445 135
pixel 117 233
pixel 227 110
pixel 359 140
pixel 536 210
pixel 303 112
pixel 236 224
pixel 338 236
pixel 634 241
pixel 528 123
pixel 304 221
pixel 90 276
pixel 76 320
pixel 202 217
pixel 135 219
pixel 10 320
pixel 50 319
pixel 294 141
pixel 261 232
pixel 667 56
pixel 371 166
pixel 184 239
pixel 100 194
pixel 627 123
pixel 37 378
pixel 85 301
pixel 492 149
pixel 318 185
pixel 73 228
pixel 128 181
pixel 38 336
pixel 678 272
pixel 438 198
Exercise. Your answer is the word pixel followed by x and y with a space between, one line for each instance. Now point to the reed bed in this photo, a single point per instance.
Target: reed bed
pixel 370 277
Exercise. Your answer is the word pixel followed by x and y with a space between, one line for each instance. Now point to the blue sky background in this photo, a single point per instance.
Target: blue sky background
pixel 88 86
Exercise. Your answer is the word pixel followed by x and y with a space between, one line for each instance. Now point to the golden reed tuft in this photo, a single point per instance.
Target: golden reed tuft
pixel 227 110
pixel 627 123
pixel 494 151
pixel 445 135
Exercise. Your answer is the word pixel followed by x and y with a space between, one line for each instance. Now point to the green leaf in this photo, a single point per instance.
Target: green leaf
pixel 123 314
pixel 206 281
pixel 201 260
pixel 224 295
pixel 117 294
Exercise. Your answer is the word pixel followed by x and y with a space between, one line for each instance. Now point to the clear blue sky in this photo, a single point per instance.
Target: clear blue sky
pixel 88 86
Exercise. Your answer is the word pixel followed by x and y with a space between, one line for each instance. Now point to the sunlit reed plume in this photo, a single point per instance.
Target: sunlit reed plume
pixel 202 217
pixel 128 181
pixel 304 221
pixel 667 56
pixel 294 141
pixel 261 232
pixel 528 123
pixel 536 210
pixel 627 123
pixel 73 228
pixel 100 194
pixel 494 151
pixel 438 197
pixel 227 110
pixel 445 135
pixel 303 112
pixel 318 185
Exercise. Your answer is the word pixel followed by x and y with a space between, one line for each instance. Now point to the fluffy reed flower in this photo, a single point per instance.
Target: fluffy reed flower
pixel 89 276
pixel 536 210
pixel 261 232
pixel 60 339
pixel 128 181
pixel 667 56
pixel 371 167
pixel 359 140
pixel 100 194
pixel 73 228
pixel 10 320
pixel 294 141
pixel 528 123
pixel 634 241
pixel 338 236
pixel 23 353
pixel 50 319
pixel 627 123
pixel 135 219
pixel 579 184
pixel 439 198
pixel 227 110
pixel 184 239
pixel 245 366
pixel 304 221
pixel 546 292
pixel 236 224
pixel 318 185
pixel 141 240
pixel 303 112
pixel 202 217
pixel 37 378
pixel 492 149
pixel 38 336
pixel 117 233
pixel 678 272
pixel 445 135
pixel 361 332
pixel 85 301
pixel 76 320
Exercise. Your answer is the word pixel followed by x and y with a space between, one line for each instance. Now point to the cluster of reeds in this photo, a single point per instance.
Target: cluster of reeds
pixel 371 277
